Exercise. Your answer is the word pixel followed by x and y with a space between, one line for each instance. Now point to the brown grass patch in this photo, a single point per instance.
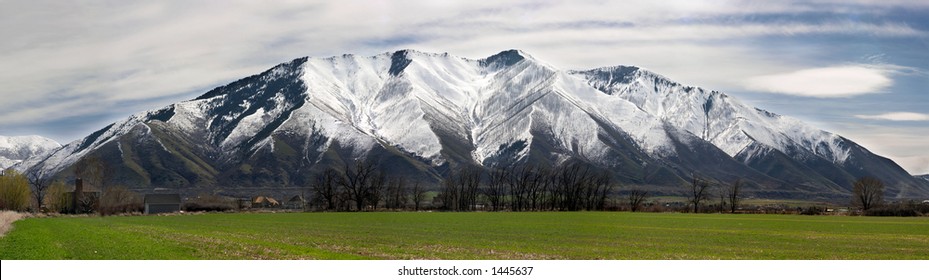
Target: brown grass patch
pixel 7 218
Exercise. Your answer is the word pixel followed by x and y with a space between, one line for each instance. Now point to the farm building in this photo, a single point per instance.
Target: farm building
pixel 81 200
pixel 265 202
pixel 295 202
pixel 162 203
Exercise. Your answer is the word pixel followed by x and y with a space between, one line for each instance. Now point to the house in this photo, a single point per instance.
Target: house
pixel 162 203
pixel 295 202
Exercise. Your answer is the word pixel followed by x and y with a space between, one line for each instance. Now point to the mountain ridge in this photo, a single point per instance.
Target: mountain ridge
pixel 427 113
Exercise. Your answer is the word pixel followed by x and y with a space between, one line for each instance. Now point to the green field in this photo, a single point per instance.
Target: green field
pixel 547 235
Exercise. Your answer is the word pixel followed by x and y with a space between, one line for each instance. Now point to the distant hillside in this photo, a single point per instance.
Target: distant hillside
pixel 14 149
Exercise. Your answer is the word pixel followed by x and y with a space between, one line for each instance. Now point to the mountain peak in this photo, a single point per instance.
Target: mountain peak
pixel 623 74
pixel 399 60
pixel 14 149
pixel 503 59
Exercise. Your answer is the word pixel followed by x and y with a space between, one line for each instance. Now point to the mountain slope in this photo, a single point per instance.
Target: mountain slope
pixel 422 114
pixel 14 149
pixel 776 145
pixel 923 177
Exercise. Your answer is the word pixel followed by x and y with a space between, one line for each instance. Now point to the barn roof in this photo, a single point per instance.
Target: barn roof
pixel 265 199
pixel 163 199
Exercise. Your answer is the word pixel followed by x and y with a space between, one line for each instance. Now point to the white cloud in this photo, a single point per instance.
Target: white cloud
pixel 826 82
pixel 916 165
pixel 906 146
pixel 896 116
pixel 98 54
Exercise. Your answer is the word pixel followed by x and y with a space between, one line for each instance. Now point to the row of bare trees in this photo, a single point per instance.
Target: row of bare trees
pixel 460 190
pixel 571 187
pixel 362 187
pixel 729 196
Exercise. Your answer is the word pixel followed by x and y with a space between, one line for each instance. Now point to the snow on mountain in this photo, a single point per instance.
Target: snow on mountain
pixel 407 99
pixel 714 116
pixel 5 162
pixel 425 113
pixel 779 146
pixel 14 149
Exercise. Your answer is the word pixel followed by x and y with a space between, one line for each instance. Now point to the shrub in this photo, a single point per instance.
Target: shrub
pixel 900 209
pixel 14 191
pixel 120 200
pixel 57 200
pixel 891 211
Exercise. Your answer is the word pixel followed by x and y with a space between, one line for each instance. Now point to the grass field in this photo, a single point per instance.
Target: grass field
pixel 577 235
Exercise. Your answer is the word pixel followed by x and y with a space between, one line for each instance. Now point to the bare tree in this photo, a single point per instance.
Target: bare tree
pixel 698 192
pixel 599 187
pixel 376 189
pixel 636 197
pixel 396 196
pixel 519 184
pixel 39 181
pixel 56 198
pixel 467 182
pixel 450 193
pixel 538 184
pixel 867 193
pixel 571 182
pixel 93 171
pixel 418 195
pixel 733 195
pixel 357 182
pixel 326 188
pixel 722 200
pixel 553 189
pixel 460 189
pixel 495 189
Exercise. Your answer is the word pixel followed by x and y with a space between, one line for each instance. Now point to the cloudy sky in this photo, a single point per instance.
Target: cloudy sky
pixel 857 68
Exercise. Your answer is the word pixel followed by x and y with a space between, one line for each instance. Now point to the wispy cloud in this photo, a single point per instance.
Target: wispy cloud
pixel 826 82
pixel 66 59
pixel 896 116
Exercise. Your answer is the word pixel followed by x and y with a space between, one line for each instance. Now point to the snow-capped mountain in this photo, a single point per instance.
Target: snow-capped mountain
pixel 421 114
pixel 14 149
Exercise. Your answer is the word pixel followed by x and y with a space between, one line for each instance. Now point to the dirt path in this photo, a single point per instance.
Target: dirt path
pixel 6 220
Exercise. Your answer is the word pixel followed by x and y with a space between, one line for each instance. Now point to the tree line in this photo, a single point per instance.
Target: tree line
pixel 364 186
pixel 37 191
pixel 572 187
